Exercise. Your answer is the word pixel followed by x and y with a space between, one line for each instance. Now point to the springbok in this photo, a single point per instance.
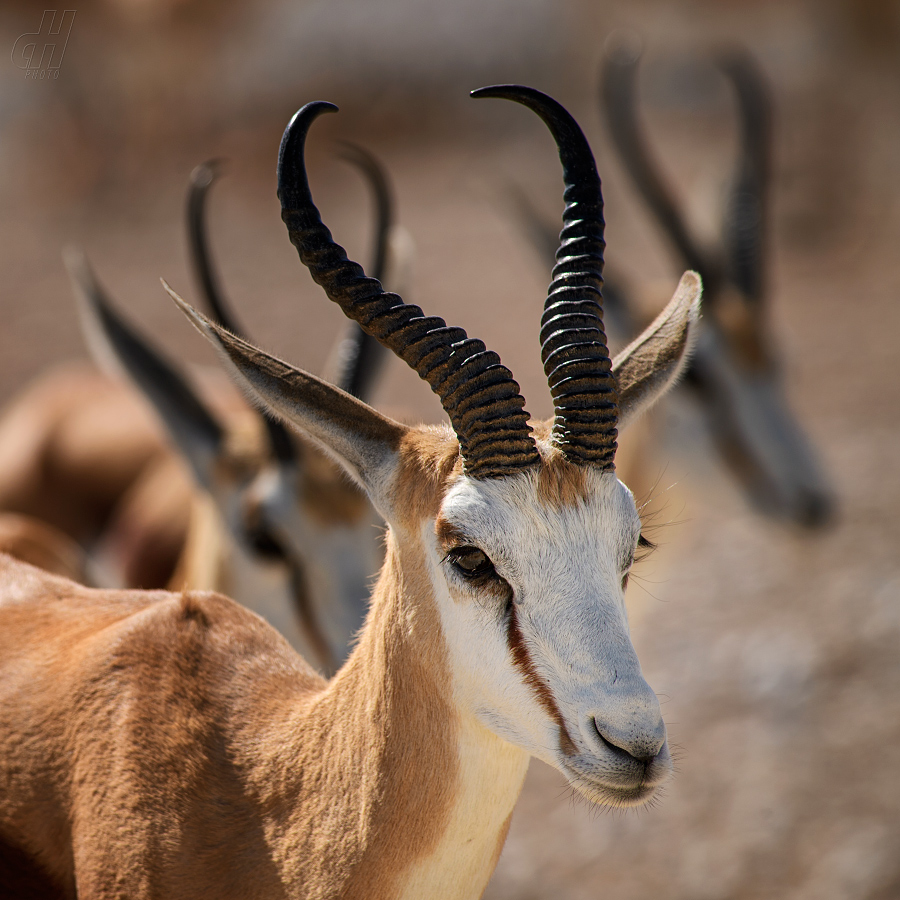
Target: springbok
pixel 734 375
pixel 157 744
pixel 734 372
pixel 81 452
pixel 300 542
pixel 71 445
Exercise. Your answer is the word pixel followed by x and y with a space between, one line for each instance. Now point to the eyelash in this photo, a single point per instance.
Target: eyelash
pixel 643 543
pixel 486 577
pixel 481 572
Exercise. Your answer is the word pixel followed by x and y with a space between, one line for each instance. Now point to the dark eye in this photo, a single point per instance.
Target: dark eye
pixel 472 563
pixel 644 544
pixel 263 544
pixel 258 538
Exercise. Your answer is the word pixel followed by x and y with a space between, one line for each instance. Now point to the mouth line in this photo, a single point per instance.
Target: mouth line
pixel 606 793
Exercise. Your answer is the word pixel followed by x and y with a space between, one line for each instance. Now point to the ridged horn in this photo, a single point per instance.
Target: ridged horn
pixel 202 179
pixel 476 390
pixel 573 343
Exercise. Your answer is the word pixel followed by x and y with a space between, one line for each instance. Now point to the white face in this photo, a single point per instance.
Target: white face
pixel 531 598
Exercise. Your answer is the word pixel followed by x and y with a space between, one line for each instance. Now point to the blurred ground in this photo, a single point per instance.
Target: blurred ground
pixel 778 653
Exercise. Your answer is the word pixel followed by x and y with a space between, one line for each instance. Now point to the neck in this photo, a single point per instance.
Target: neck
pixel 385 787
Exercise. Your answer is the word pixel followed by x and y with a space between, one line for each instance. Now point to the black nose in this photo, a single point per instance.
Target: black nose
pixel 643 749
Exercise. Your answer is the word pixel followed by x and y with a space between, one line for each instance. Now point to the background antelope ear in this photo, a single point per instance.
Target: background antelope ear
pixel 118 348
pixel 362 440
pixel 651 363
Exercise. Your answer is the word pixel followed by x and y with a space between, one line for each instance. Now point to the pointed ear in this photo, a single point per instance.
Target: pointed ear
pixel 362 440
pixel 651 364
pixel 118 348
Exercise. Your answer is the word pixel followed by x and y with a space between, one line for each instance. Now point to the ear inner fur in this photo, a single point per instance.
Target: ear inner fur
pixel 651 363
pixel 358 436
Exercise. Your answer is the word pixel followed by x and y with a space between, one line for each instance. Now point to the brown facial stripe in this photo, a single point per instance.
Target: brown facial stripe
pixel 523 663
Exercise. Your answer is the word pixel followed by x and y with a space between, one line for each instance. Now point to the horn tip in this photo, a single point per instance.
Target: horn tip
pixel 308 112
pixel 207 172
pixel 507 92
pixel 292 186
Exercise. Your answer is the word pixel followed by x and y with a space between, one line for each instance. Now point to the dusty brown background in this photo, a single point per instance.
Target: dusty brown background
pixel 778 654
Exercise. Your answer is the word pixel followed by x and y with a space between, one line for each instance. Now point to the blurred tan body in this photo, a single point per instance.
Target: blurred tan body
pixel 71 446
pixel 34 542
pixel 86 454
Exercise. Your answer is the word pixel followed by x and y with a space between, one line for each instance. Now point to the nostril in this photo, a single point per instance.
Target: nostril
pixel 636 752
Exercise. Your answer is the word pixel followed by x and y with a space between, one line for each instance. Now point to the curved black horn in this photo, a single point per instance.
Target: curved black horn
pixel 573 343
pixel 377 178
pixel 361 356
pixel 745 216
pixel 475 388
pixel 202 178
pixel 618 88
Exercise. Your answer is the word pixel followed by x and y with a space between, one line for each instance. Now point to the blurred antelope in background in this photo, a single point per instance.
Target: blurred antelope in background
pixel 275 524
pixel 39 544
pixel 154 744
pixel 80 452
pixel 734 374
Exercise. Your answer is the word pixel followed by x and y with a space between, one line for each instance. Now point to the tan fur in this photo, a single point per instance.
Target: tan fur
pixel 741 326
pixel 41 545
pixel 560 483
pixel 327 495
pixel 438 447
pixel 226 787
pixel 71 444
pixel 147 532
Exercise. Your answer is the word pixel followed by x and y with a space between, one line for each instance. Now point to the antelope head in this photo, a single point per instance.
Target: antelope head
pixel 735 372
pixel 233 462
pixel 509 543
pixel 300 506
